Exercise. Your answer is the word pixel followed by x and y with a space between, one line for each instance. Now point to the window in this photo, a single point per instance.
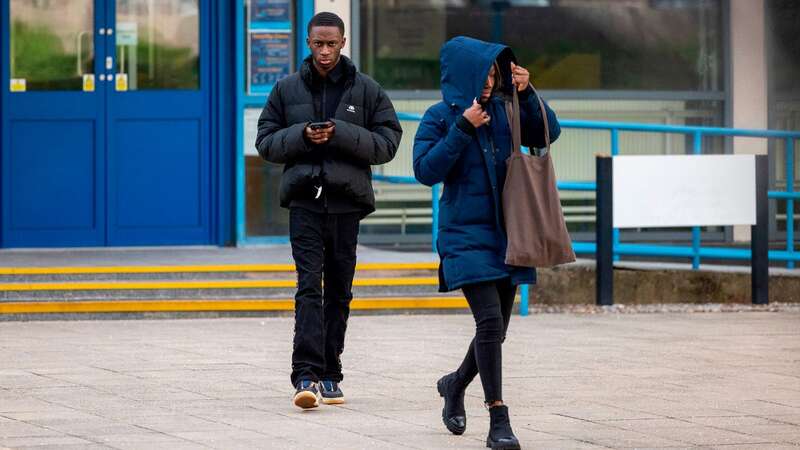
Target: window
pixel 669 45
pixel 783 65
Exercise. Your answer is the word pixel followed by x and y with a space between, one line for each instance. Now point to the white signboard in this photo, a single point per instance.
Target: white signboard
pixel 127 33
pixel 684 190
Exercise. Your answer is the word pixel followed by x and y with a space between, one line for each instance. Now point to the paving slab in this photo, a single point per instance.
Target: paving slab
pixel 572 381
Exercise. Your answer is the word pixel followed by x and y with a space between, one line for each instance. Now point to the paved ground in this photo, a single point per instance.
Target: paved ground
pixel 703 380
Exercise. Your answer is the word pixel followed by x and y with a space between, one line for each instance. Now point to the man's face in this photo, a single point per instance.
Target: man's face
pixel 488 85
pixel 326 45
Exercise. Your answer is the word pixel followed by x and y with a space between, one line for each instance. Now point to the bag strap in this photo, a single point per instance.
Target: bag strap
pixel 512 110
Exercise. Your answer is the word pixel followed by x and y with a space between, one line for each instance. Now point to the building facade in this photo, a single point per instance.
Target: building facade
pixel 131 122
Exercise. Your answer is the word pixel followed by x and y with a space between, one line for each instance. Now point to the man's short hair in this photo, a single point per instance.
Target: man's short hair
pixel 326 19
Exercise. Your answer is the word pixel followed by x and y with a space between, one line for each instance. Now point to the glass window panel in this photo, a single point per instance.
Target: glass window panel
pixel 783 18
pixel 575 44
pixel 158 44
pixel 52 43
pixel 263 213
pixel 783 52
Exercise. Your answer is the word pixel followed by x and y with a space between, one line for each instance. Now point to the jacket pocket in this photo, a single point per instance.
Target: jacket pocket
pixel 350 180
pixel 298 182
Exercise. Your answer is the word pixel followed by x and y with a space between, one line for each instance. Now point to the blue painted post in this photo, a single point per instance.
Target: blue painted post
pixel 497 20
pixel 615 231
pixel 698 150
pixel 790 200
pixel 306 13
pixel 435 216
pixel 524 292
pixel 240 170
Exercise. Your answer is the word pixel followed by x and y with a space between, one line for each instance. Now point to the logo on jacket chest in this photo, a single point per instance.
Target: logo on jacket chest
pixel 351 109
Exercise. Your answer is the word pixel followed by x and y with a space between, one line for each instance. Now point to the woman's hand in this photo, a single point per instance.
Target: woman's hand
pixel 476 115
pixel 520 76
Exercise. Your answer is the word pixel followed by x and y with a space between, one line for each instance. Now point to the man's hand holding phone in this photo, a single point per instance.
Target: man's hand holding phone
pixel 320 132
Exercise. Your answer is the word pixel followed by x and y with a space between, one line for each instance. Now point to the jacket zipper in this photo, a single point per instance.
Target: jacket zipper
pixel 324 94
pixel 322 163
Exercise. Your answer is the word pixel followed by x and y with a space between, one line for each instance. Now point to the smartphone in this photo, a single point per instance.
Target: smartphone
pixel 319 125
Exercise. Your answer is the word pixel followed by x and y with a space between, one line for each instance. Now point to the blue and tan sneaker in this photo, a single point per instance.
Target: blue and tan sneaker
pixel 307 394
pixel 331 394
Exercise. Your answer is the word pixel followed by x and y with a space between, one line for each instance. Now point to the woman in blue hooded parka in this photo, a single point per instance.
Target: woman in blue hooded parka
pixel 464 141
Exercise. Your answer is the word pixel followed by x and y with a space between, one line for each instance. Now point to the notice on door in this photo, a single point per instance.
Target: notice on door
pixel 121 84
pixel 270 60
pixel 88 82
pixel 127 33
pixel 18 85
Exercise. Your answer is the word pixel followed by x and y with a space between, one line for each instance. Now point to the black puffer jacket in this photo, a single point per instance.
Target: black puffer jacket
pixel 367 133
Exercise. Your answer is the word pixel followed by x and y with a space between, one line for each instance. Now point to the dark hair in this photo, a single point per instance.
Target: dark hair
pixel 326 19
pixel 498 78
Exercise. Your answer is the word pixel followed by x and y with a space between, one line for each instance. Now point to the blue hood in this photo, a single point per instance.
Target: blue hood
pixel 465 65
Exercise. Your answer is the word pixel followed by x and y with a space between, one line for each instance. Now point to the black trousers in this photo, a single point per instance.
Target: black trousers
pixel 491 303
pixel 324 248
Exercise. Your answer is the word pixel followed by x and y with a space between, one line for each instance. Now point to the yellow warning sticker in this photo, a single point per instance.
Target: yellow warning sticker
pixel 88 82
pixel 18 85
pixel 122 82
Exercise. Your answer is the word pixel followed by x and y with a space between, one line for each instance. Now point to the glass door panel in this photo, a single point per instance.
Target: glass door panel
pixel 52 45
pixel 157 43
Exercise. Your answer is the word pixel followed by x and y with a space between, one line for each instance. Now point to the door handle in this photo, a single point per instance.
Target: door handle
pixel 79 45
pixel 109 63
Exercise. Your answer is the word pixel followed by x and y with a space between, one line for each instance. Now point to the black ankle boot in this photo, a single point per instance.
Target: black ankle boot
pixel 500 435
pixel 453 415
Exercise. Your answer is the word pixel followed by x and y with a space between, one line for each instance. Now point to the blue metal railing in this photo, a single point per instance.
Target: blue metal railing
pixel 696 251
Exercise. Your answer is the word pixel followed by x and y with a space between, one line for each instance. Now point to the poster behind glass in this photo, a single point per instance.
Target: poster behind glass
pixel 269 43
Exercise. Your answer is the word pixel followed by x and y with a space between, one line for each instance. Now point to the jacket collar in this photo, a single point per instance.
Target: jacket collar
pixel 344 69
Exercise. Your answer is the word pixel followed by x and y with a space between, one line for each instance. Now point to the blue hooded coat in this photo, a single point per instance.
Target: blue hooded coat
pixel 472 239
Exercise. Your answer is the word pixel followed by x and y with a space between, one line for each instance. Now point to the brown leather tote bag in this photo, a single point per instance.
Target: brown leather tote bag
pixel 537 233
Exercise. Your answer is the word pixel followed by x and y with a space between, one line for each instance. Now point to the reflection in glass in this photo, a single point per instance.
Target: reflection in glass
pixel 263 213
pixel 577 44
pixel 52 43
pixel 158 44
pixel 783 65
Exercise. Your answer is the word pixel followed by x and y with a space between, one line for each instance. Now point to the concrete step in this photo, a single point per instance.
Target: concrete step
pixel 196 272
pixel 267 287
pixel 202 290
pixel 127 309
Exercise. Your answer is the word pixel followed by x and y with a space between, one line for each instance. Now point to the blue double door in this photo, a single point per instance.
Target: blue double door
pixel 105 123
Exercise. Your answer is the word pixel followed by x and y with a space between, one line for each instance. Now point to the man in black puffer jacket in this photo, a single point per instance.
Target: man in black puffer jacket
pixel 327 186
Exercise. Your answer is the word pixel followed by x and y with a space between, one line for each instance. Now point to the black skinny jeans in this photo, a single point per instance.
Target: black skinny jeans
pixel 491 303
pixel 323 247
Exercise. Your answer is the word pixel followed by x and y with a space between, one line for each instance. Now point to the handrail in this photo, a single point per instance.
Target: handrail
pixel 695 252
pixel 646 127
